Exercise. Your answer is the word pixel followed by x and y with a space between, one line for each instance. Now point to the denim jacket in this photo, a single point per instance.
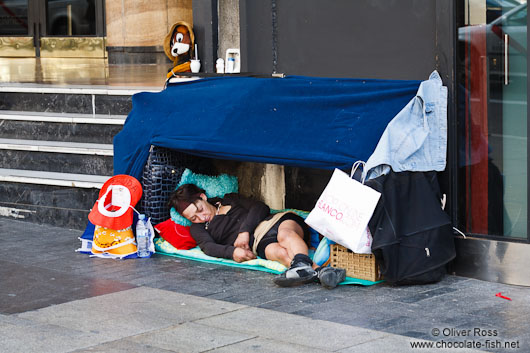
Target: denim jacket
pixel 416 138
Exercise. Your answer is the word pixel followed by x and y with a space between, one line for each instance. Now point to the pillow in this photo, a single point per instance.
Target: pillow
pixel 214 186
pixel 177 235
pixel 322 252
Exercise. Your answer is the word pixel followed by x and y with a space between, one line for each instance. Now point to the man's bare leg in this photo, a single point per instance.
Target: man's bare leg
pixel 278 253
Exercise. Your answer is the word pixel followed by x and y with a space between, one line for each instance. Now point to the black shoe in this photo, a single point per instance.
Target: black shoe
pixel 300 272
pixel 330 277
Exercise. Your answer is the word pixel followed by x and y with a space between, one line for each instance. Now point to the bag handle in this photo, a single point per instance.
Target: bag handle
pixel 354 169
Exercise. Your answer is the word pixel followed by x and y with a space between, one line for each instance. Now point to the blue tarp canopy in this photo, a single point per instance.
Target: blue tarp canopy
pixel 297 121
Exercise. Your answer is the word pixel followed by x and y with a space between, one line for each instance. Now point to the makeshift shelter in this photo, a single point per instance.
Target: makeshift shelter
pixel 303 122
pixel 297 121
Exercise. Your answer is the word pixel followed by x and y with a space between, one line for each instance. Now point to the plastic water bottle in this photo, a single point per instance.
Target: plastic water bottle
pixel 142 237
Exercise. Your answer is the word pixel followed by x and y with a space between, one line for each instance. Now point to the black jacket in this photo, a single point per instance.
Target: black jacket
pixel 244 216
pixel 412 235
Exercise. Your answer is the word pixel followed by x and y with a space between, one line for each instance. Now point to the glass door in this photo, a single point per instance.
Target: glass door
pixel 52 28
pixel 492 117
pixel 16 29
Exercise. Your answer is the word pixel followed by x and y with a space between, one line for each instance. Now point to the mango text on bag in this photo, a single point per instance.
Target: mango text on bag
pixel 340 211
pixel 330 210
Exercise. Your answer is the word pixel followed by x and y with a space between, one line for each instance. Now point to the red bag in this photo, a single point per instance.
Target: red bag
pixel 177 235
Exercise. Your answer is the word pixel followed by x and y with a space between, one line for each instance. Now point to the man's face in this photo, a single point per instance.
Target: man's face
pixel 199 212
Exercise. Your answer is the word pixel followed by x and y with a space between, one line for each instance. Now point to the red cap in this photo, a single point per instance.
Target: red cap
pixel 113 208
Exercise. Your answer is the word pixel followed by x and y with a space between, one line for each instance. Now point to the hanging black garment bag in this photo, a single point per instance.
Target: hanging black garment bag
pixel 412 235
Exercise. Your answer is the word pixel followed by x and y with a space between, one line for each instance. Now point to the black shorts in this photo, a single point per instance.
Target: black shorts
pixel 272 235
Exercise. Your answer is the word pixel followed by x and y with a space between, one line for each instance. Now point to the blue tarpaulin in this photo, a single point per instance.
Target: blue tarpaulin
pixel 297 121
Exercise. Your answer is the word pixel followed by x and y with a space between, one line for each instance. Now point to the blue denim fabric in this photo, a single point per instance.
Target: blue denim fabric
pixel 416 138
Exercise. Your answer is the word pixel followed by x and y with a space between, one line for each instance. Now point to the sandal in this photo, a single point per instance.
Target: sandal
pixel 330 277
pixel 300 272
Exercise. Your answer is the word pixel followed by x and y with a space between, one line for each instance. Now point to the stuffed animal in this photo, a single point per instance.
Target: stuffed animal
pixel 179 47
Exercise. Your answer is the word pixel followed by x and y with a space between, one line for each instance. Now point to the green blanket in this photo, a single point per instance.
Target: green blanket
pixel 165 248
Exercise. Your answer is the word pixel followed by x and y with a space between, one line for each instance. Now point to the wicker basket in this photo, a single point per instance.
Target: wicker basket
pixel 362 266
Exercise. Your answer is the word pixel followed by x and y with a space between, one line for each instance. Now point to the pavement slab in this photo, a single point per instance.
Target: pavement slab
pixel 21 283
pixel 193 338
pixel 54 299
pixel 292 328
pixel 122 346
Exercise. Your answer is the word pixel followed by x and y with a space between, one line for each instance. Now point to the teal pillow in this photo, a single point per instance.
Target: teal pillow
pixel 323 251
pixel 214 186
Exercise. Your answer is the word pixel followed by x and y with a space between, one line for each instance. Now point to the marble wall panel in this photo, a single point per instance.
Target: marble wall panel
pixel 39 130
pixel 114 18
pixel 113 105
pixel 55 216
pixel 143 22
pixel 179 10
pixel 49 195
pixel 57 162
pixel 65 103
pixel 55 205
pixel 61 103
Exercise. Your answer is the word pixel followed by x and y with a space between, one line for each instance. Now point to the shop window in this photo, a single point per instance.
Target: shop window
pixel 71 17
pixel 492 117
pixel 14 17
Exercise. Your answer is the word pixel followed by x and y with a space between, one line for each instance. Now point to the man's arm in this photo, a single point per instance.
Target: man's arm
pixel 208 244
pixel 257 212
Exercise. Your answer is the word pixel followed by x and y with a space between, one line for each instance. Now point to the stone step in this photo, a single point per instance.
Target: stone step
pixel 57 162
pixel 57 156
pixel 82 100
pixel 94 128
pixel 65 118
pixel 61 199
pixel 56 149
pixel 62 206
pixel 56 146
pixel 52 178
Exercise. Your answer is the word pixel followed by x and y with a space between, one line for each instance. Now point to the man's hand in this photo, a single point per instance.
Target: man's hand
pixel 242 240
pixel 241 255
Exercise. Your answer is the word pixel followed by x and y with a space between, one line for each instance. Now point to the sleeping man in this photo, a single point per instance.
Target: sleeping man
pixel 239 228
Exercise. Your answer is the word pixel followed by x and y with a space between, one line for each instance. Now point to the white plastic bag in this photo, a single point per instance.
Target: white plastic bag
pixel 343 211
pixel 364 245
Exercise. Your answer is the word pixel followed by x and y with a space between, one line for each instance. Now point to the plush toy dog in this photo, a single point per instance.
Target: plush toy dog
pixel 179 47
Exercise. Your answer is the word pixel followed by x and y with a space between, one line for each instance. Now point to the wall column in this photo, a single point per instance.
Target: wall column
pixel 136 29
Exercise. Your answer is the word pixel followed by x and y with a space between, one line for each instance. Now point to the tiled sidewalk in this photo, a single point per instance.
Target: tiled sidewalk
pixel 54 299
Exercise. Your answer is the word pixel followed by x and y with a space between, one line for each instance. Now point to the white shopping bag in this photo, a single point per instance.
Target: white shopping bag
pixel 364 245
pixel 343 211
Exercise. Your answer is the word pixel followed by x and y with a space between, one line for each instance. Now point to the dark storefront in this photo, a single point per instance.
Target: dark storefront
pixel 479 48
pixel 52 28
